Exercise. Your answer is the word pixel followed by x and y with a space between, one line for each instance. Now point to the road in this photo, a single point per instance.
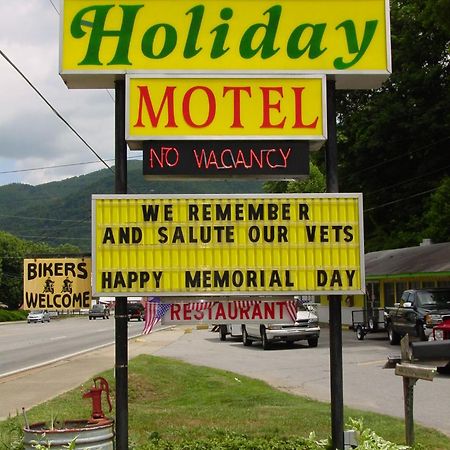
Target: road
pixel 299 370
pixel 25 345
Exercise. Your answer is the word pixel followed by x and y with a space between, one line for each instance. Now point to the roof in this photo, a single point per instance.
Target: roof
pixel 427 258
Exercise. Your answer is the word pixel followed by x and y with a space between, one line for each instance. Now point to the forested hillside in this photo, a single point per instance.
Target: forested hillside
pixel 394 142
pixel 393 146
pixel 60 212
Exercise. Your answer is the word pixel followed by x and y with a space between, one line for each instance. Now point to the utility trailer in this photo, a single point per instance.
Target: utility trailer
pixel 367 320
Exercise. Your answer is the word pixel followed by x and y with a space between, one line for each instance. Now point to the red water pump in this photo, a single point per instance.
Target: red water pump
pixel 96 394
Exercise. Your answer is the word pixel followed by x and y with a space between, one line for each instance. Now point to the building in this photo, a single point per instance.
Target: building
pixel 390 272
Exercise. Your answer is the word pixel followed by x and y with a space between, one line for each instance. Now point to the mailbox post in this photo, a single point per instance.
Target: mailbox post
pixel 411 373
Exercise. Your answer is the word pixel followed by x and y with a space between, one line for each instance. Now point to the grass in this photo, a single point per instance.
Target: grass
pixel 176 401
pixel 12 316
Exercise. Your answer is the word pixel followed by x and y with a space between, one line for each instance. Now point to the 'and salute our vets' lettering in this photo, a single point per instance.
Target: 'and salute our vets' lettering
pixel 229 245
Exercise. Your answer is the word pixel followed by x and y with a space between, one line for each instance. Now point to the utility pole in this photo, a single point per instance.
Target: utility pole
pixel 121 316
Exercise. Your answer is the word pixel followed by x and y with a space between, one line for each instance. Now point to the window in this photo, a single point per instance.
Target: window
pixel 399 288
pixel 389 297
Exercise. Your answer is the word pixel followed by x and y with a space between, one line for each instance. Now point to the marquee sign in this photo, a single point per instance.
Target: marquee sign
pixel 227 245
pixel 103 39
pixel 61 283
pixel 223 159
pixel 225 108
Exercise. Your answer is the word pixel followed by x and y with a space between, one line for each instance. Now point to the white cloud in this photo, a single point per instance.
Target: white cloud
pixel 31 135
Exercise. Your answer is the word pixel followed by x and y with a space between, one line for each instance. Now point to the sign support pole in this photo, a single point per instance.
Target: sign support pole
pixel 334 301
pixel 121 316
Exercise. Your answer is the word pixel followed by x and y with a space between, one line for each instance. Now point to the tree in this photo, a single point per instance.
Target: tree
pixel 393 142
pixel 438 214
pixel 12 253
pixel 314 183
pixel 12 250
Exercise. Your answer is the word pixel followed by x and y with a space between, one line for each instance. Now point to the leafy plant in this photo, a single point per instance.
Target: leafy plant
pixel 46 446
pixel 11 435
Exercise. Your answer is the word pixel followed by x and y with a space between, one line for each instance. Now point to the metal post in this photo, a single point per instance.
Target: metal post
pixel 121 317
pixel 335 313
pixel 331 147
pixel 408 392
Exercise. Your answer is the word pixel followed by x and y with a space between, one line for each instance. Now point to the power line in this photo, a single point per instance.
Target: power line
pixel 409 180
pixel 55 111
pixel 36 236
pixel 44 218
pixel 54 7
pixel 59 166
pixel 57 12
pixel 419 194
pixel 409 152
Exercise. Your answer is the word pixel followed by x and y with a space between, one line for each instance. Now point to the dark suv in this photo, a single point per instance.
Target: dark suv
pixel 99 310
pixel 135 311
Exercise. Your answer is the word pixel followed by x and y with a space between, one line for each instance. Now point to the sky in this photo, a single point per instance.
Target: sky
pixel 33 140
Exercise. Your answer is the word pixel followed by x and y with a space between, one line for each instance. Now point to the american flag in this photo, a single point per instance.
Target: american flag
pixel 291 307
pixel 200 306
pixel 154 311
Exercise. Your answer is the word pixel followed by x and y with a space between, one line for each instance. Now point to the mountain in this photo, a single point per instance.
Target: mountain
pixel 60 212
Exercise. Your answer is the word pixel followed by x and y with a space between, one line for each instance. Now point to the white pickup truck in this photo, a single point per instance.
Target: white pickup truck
pixel 306 327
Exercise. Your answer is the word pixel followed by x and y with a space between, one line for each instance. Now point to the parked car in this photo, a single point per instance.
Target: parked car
pixel 135 311
pixel 100 311
pixel 40 315
pixel 417 313
pixel 306 327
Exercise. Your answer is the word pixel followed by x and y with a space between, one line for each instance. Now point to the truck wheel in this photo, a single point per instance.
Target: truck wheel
pixel 223 332
pixel 394 338
pixel 360 333
pixel 265 341
pixel 313 342
pixel 245 340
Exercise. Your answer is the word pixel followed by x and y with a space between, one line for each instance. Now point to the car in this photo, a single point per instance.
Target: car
pixel 135 311
pixel 306 327
pixel 100 311
pixel 40 315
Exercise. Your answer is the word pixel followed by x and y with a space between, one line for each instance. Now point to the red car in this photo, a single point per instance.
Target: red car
pixel 442 331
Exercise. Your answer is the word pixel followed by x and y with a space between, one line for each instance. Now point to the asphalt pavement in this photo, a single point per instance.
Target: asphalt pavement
pixel 32 387
pixel 299 370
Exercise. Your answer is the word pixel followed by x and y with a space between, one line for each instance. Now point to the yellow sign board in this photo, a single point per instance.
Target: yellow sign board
pixel 61 283
pixel 263 108
pixel 101 39
pixel 227 245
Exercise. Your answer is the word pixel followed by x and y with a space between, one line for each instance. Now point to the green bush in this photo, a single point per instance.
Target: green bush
pixel 367 440
pixel 232 441
pixel 11 316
